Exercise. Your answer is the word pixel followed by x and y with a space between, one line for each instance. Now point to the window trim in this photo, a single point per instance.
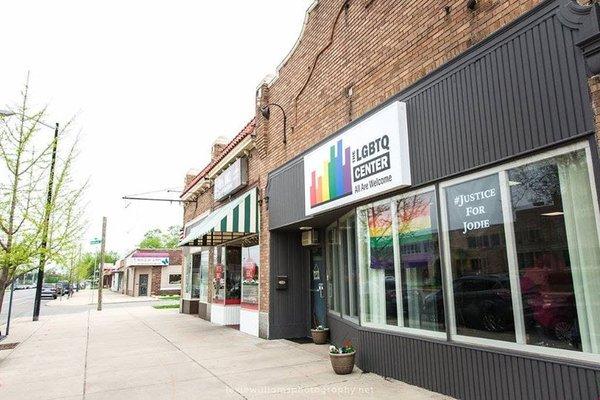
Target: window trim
pixel 446 263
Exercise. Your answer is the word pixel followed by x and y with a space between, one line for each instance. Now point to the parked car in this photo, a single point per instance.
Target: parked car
pixel 481 302
pixel 63 288
pixel 49 290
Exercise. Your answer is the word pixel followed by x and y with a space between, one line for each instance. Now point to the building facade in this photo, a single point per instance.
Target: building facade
pixel 151 272
pixel 433 195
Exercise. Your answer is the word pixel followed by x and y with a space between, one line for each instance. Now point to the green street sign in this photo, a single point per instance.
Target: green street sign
pixel 95 241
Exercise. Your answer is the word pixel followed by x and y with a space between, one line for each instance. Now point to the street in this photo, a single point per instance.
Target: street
pixel 23 305
pixel 131 350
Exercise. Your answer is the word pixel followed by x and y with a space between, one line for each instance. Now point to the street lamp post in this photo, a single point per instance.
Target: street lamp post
pixel 47 211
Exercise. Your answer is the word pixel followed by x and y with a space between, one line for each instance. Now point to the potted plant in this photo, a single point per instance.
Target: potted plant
pixel 320 335
pixel 342 358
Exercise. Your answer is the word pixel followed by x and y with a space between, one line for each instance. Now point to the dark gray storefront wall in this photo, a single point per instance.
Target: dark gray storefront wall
pixel 466 372
pixel 289 311
pixel 523 89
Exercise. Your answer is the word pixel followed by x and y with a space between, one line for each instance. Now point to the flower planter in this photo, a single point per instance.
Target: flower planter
pixel 320 336
pixel 342 364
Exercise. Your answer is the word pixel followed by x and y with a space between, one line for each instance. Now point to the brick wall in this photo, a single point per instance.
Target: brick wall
pixel 155 280
pixel 354 55
pixel 594 84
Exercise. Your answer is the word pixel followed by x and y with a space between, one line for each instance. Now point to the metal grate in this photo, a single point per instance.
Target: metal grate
pixel 8 346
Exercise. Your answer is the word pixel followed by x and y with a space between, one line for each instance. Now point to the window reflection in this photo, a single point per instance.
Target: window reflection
pixel 557 249
pixel 423 304
pixel 401 265
pixel 481 285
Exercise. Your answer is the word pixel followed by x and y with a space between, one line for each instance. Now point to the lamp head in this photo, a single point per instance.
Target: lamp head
pixel 266 112
pixel 6 113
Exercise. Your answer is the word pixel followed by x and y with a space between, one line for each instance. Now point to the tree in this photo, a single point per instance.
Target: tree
pixel 88 262
pixel 158 239
pixel 25 151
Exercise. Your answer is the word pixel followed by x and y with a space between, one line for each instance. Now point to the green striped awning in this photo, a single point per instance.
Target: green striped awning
pixel 234 220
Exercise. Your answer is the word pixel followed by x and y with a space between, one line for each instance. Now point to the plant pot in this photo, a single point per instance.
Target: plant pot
pixel 320 336
pixel 342 364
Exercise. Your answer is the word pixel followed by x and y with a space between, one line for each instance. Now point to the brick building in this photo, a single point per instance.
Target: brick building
pixel 431 195
pixel 151 272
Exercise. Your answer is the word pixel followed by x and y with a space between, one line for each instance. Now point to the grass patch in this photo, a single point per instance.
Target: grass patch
pixel 170 297
pixel 164 306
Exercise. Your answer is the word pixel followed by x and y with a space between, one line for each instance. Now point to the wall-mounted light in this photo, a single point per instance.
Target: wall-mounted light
pixel 266 113
pixel 472 4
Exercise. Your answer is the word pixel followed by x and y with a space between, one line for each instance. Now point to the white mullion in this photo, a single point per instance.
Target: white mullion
pixel 361 277
pixel 449 298
pixel 397 265
pixel 350 251
pixel 340 281
pixel 513 264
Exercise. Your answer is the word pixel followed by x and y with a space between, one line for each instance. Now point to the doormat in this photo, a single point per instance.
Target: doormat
pixel 302 340
pixel 8 346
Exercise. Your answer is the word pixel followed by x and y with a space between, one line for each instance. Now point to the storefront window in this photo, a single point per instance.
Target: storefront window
pixel 332 254
pixel 219 277
pixel 204 276
pixel 250 257
pixel 378 265
pixel 557 251
pixel 195 276
pixel 480 274
pixel 233 275
pixel 188 276
pixel 421 277
pixel 525 254
pixel 401 279
pixel 348 266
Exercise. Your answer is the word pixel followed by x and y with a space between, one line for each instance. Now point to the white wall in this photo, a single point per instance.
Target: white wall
pixel 164 278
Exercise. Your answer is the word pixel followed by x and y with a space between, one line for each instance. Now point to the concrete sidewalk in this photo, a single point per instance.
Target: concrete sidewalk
pixel 90 297
pixel 144 353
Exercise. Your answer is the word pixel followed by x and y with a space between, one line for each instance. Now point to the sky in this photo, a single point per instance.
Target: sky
pixel 152 85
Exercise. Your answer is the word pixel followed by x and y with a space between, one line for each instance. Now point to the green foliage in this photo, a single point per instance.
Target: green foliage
pixel 158 239
pixel 88 262
pixel 166 306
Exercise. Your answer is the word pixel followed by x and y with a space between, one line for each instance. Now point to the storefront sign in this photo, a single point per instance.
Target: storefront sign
pixel 142 261
pixel 368 159
pixel 232 179
pixel 474 205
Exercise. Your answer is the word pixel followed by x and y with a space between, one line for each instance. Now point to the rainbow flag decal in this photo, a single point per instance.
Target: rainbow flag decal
pixel 333 180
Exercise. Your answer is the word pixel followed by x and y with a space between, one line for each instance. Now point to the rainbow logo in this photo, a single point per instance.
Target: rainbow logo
pixel 333 179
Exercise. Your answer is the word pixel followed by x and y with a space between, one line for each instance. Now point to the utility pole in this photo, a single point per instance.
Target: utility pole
pixel 101 273
pixel 45 229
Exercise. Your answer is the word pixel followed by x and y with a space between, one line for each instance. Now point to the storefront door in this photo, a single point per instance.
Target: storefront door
pixel 317 288
pixel 143 290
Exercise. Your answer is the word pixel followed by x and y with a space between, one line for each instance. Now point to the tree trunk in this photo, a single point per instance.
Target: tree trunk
pixel 2 291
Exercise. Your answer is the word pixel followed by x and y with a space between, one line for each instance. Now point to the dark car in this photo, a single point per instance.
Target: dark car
pixel 49 290
pixel 481 302
pixel 63 288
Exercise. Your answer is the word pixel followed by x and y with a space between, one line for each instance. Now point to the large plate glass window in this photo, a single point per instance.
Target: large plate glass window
pixel 399 263
pixel 187 291
pixel 421 275
pixel 524 254
pixel 332 264
pixel 195 281
pixel 480 274
pixel 348 266
pixel 557 251
pixel 204 276
pixel 250 258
